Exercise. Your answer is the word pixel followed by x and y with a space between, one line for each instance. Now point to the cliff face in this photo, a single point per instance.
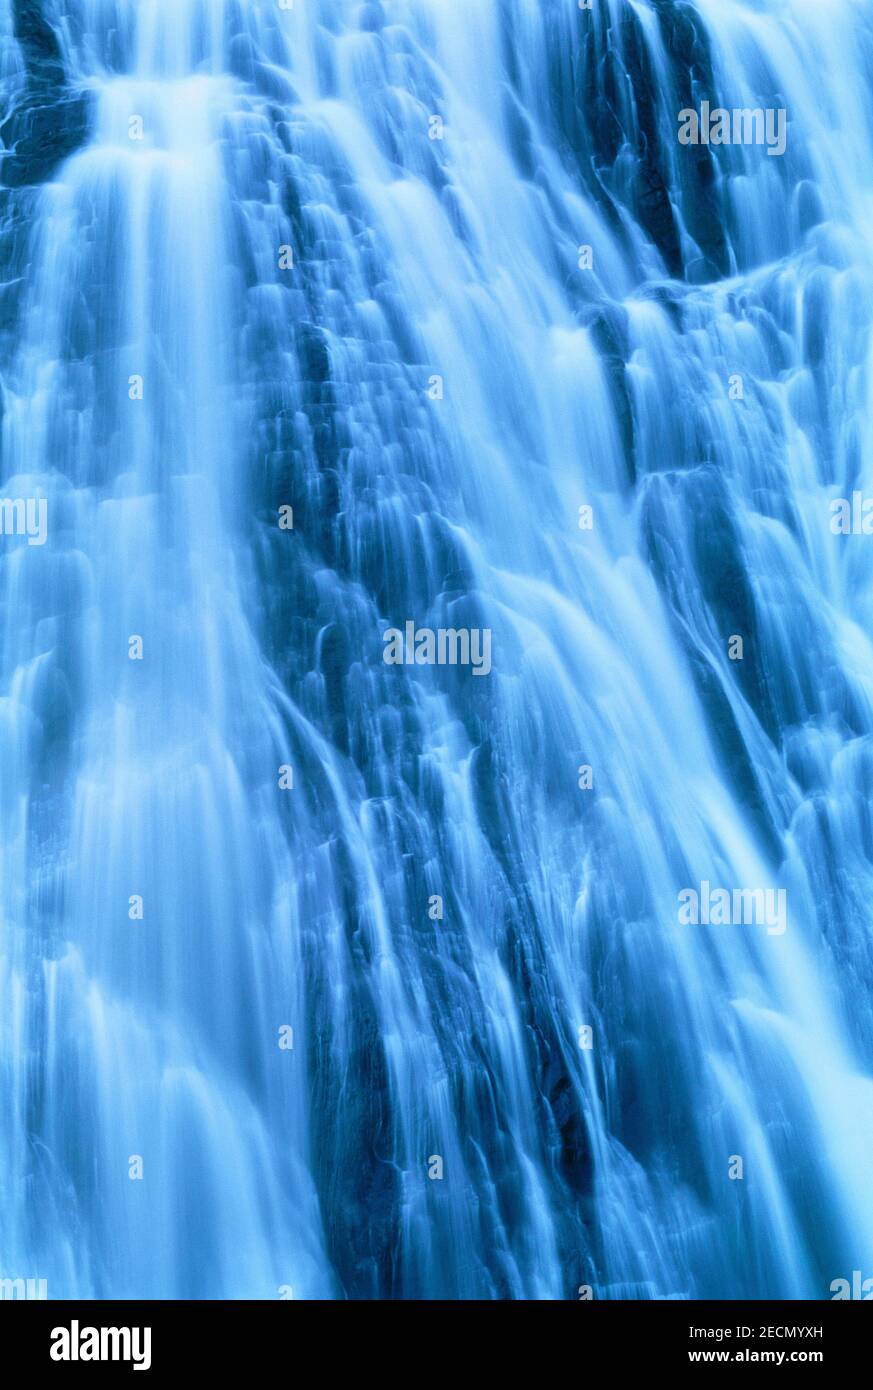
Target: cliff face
pixel 45 119
pixel 49 119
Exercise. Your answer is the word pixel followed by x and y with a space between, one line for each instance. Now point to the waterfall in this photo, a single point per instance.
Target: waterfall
pixel 327 976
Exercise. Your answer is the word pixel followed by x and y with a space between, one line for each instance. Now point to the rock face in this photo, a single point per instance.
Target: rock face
pixel 50 119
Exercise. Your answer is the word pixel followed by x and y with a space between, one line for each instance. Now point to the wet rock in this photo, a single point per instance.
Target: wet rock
pixel 50 119
pixel 41 136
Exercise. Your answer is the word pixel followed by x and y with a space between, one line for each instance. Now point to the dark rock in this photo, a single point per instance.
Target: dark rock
pixel 40 137
pixel 50 119
pixel 36 38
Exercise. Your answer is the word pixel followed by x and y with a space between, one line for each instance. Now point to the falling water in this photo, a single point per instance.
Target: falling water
pixel 326 975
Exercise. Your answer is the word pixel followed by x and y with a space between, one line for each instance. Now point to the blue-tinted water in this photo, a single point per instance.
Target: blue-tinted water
pixel 436 274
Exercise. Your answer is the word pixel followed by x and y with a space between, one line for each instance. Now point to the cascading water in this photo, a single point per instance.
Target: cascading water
pixel 332 257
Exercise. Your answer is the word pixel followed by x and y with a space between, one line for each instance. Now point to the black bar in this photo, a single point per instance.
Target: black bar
pixel 262 1339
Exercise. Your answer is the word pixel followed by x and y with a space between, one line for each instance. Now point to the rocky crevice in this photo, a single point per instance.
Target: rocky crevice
pixel 50 119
